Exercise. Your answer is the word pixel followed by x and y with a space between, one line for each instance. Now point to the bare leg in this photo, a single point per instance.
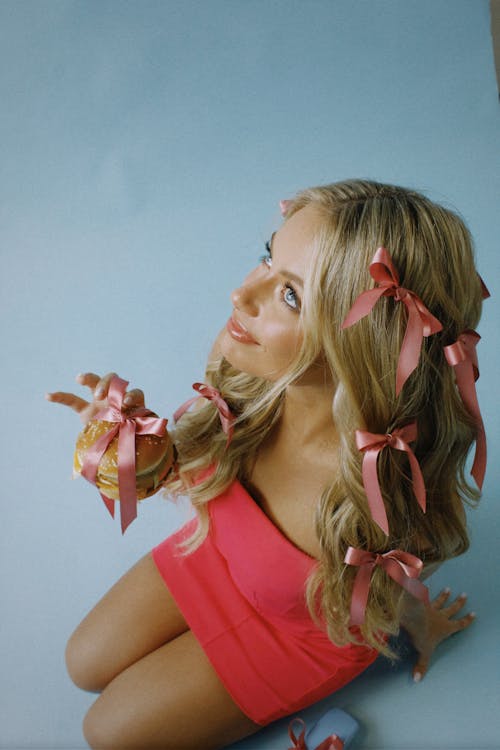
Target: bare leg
pixel 171 699
pixel 137 616
pixel 159 688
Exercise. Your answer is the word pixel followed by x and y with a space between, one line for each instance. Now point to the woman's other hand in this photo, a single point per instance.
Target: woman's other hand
pixel 99 387
pixel 428 626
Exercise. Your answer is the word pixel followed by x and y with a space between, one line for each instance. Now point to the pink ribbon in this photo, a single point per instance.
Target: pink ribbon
pixel 333 742
pixel 420 321
pixel 402 567
pixel 462 355
pixel 371 445
pixel 284 206
pixel 484 289
pixel 212 394
pixel 127 425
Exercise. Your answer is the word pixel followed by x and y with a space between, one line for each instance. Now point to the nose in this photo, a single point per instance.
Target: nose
pixel 246 297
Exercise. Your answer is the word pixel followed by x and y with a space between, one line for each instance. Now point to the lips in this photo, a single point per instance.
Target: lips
pixel 239 332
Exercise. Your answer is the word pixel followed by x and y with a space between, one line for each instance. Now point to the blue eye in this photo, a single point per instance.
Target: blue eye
pixel 290 297
pixel 288 294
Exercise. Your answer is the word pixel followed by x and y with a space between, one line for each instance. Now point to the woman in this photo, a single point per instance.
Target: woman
pixel 265 603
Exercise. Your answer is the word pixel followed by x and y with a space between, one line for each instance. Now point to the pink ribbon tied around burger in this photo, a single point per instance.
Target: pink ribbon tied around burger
pixel 401 566
pixel 462 355
pixel 371 445
pixel 333 742
pixel 420 321
pixel 212 394
pixel 127 424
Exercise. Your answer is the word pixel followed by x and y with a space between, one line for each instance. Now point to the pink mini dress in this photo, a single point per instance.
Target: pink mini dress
pixel 242 594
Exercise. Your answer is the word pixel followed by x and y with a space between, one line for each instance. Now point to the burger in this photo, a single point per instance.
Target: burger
pixel 154 458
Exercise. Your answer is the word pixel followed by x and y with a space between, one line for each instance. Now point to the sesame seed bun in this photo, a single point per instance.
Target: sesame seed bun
pixel 154 457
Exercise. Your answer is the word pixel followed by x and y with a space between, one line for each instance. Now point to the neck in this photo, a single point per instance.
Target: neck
pixel 307 415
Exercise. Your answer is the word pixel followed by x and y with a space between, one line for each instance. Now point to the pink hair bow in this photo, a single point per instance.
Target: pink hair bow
pixel 127 425
pixel 484 289
pixel 212 394
pixel 402 567
pixel 371 445
pixel 462 355
pixel 420 321
pixel 333 742
pixel 284 204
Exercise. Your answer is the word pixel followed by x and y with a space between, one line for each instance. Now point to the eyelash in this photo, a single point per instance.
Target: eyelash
pixel 267 255
pixel 265 258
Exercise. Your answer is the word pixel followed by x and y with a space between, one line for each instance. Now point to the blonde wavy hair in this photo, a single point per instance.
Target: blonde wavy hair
pixel 432 249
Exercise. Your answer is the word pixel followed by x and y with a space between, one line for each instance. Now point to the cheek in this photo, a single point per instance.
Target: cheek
pixel 285 341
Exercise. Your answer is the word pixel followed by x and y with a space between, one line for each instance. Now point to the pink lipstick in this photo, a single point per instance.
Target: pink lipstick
pixel 239 332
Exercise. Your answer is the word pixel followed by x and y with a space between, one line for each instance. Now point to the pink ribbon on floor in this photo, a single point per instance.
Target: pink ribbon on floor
pixel 401 566
pixel 462 355
pixel 420 321
pixel 371 444
pixel 127 425
pixel 212 394
pixel 333 742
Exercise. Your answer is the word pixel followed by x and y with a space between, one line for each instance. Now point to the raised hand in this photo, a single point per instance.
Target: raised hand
pixel 99 387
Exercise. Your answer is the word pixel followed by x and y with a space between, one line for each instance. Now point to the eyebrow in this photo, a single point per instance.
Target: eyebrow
pixel 284 272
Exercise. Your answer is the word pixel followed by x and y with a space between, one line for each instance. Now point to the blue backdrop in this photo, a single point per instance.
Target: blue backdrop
pixel 144 148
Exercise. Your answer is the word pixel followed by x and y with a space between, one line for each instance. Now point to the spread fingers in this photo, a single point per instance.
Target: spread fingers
pixel 464 622
pixel 99 386
pixel 455 606
pixel 68 399
pixel 441 598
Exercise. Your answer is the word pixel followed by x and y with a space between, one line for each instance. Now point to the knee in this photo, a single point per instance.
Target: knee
pixel 107 727
pixel 96 730
pixel 90 731
pixel 84 664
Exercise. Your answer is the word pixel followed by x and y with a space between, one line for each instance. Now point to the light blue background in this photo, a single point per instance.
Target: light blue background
pixel 144 148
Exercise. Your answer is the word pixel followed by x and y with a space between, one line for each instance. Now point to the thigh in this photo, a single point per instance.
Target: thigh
pixel 171 699
pixel 135 617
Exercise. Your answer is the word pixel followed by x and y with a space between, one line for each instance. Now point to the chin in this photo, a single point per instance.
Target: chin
pixel 246 359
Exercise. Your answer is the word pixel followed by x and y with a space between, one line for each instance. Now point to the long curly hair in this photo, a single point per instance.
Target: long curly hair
pixel 432 250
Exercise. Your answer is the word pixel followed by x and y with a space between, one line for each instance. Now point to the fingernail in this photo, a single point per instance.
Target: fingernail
pixel 472 615
pixel 417 677
pixel 446 590
pixel 79 376
pixel 48 396
pixel 463 596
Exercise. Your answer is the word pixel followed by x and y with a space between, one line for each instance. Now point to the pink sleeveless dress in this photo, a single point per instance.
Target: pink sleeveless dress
pixel 242 594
